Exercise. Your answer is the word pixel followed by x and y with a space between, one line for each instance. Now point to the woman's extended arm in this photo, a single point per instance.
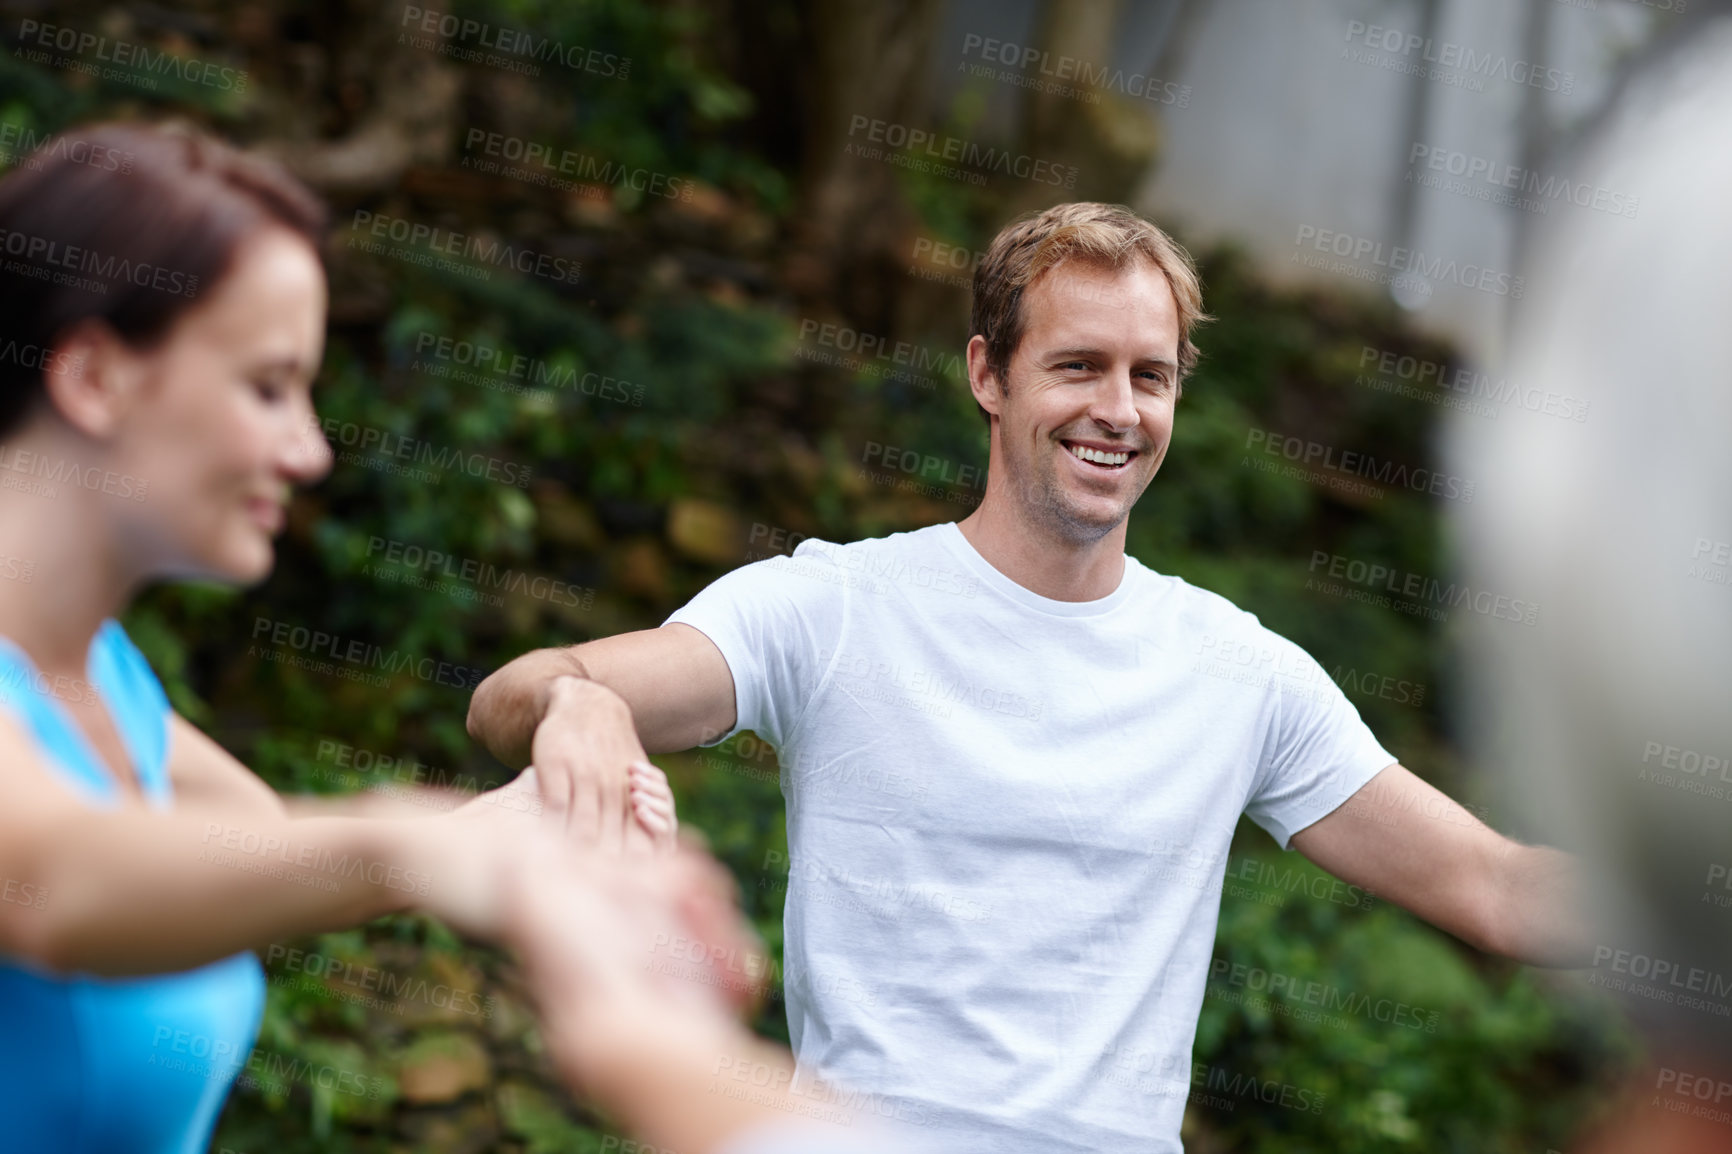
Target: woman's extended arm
pixel 132 890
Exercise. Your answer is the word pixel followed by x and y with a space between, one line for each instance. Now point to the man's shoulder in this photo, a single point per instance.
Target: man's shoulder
pixel 927 540
pixel 879 555
pixel 868 564
pixel 1202 610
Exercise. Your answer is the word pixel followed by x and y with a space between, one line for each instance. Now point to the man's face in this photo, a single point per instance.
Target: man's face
pixel 1094 377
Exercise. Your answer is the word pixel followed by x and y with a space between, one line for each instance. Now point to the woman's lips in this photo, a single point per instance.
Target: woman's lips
pixel 267 513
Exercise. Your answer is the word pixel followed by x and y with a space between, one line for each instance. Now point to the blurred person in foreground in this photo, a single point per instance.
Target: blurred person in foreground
pixel 162 316
pixel 1014 758
pixel 651 1043
pixel 1615 716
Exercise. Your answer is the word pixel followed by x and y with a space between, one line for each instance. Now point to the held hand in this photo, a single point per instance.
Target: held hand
pixel 655 826
pixel 582 751
pixel 652 804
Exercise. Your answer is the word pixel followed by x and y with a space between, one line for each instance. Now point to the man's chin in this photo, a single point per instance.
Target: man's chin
pixel 1082 522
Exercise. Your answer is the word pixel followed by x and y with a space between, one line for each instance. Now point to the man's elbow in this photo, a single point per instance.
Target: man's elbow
pixel 514 693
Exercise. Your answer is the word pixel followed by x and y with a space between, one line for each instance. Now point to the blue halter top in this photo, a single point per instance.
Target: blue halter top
pixel 91 1064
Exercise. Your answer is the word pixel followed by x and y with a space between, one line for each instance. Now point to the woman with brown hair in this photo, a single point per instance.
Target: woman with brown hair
pixel 162 317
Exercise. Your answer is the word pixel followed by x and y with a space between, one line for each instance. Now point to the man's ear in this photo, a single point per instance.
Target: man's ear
pixel 987 389
pixel 93 378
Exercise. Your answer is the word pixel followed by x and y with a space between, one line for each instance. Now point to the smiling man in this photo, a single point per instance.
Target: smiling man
pixel 1014 757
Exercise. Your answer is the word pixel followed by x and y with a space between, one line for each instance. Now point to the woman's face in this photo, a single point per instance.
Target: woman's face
pixel 223 421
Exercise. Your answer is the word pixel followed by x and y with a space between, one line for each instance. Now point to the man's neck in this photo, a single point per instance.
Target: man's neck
pixel 1042 561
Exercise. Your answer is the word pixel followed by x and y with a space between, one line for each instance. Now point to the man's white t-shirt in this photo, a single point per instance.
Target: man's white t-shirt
pixel 1008 824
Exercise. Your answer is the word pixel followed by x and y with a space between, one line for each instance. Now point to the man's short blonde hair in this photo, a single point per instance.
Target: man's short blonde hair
pixel 1104 234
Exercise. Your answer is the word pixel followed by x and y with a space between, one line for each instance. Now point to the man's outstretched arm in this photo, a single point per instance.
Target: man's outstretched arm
pixel 1412 844
pixel 582 714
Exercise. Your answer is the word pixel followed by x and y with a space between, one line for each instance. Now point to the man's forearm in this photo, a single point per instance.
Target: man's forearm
pixel 509 704
pixel 1546 919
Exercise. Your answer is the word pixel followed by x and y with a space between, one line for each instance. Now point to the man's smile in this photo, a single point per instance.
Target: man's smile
pixel 1099 455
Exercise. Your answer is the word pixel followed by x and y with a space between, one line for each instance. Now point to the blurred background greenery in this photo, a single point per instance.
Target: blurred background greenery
pixel 682 413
